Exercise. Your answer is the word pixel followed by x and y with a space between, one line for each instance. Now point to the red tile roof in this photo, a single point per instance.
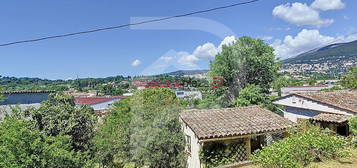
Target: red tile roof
pixel 95 100
pixel 229 122
pixel 334 118
pixel 346 100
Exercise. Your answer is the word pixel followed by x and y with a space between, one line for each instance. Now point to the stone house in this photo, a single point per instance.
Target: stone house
pixel 247 127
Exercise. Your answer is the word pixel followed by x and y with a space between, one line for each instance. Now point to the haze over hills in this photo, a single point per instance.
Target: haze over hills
pixel 186 72
pixel 332 59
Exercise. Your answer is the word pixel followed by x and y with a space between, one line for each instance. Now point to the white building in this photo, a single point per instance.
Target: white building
pixel 99 104
pixel 331 109
pixel 188 94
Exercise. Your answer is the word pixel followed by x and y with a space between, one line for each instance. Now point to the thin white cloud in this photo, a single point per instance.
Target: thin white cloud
pixel 136 63
pixel 300 14
pixel 207 51
pixel 304 41
pixel 167 58
pixel 187 59
pixel 266 38
pixel 325 5
pixel 279 29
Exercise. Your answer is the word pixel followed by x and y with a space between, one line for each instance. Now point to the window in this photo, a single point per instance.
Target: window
pixel 180 93
pixel 294 99
pixel 188 144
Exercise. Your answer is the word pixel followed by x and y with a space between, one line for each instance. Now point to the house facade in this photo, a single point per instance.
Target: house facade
pixel 248 128
pixel 188 94
pixel 329 109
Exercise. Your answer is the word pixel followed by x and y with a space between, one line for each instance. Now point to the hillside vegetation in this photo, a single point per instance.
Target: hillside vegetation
pixel 330 52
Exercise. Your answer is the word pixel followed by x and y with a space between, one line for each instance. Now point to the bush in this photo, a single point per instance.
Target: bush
pixel 301 148
pixel 217 154
pixel 353 127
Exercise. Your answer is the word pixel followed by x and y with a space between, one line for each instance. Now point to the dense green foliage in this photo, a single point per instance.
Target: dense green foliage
pixel 1 95
pixel 349 80
pixel 250 95
pixel 254 95
pixel 353 127
pixel 217 154
pixel 142 130
pixel 105 86
pixel 59 116
pixel 22 145
pixel 301 148
pixel 247 61
pixel 112 138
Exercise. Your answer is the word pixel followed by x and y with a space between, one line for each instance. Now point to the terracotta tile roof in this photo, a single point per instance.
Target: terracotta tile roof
pixel 228 122
pixel 346 100
pixel 95 100
pixel 335 118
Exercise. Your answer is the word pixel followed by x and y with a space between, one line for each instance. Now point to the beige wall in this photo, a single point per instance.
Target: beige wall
pixel 193 159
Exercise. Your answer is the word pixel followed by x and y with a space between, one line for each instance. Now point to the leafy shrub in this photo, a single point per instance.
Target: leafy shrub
pixel 353 127
pixel 217 154
pixel 301 148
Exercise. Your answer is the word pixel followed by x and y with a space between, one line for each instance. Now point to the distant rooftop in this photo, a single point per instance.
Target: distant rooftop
pixel 319 86
pixel 95 100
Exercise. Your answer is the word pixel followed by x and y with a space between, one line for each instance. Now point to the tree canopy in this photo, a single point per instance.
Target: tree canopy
pixel 247 61
pixel 349 80
pixel 143 130
pixel 22 145
pixel 60 116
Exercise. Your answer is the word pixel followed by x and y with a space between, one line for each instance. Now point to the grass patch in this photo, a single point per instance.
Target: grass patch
pixel 344 162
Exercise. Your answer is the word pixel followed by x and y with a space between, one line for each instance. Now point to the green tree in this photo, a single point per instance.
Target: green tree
pixel 247 61
pixel 312 81
pixel 22 146
pixel 349 80
pixel 250 95
pixel 143 130
pixel 113 137
pixel 279 83
pixel 1 96
pixel 59 116
pixel 254 95
pixel 353 125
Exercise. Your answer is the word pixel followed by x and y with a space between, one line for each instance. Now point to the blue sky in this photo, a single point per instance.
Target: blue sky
pixel 290 26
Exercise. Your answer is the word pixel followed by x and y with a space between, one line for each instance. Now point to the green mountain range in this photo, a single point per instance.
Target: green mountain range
pixel 334 58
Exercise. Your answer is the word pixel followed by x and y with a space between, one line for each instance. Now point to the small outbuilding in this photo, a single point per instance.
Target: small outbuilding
pixel 227 137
